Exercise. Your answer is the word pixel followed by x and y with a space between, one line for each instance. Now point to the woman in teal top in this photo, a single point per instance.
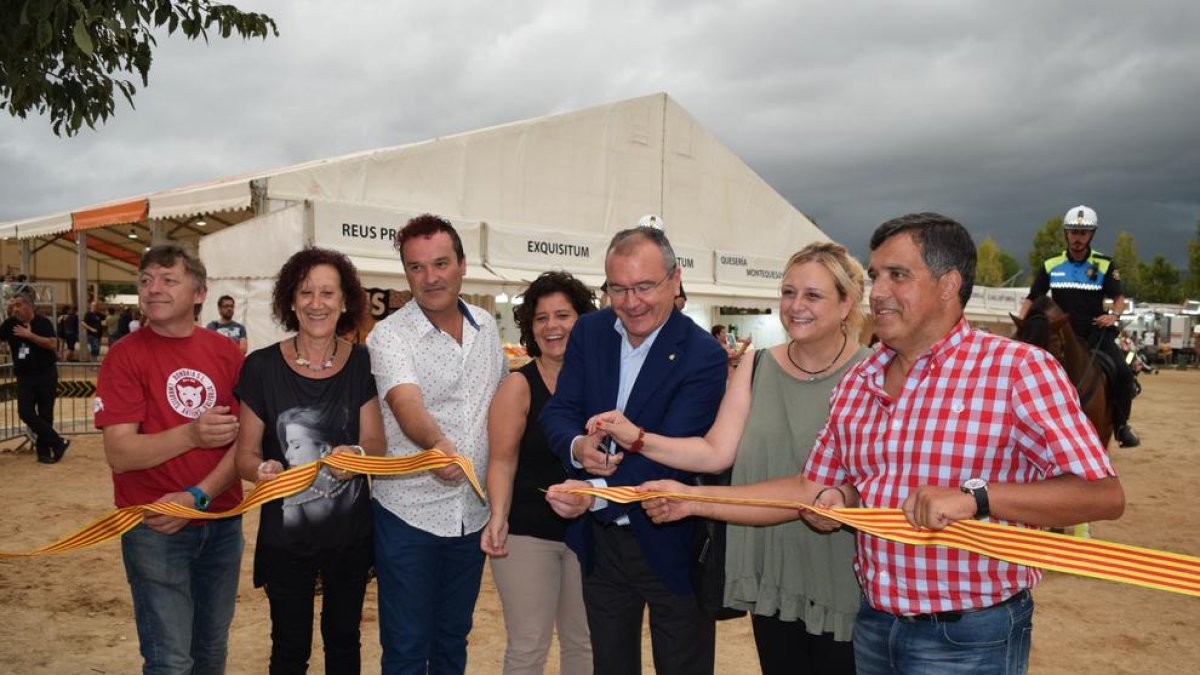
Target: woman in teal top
pixel 798 585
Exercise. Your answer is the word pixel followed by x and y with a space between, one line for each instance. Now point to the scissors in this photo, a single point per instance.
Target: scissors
pixel 610 448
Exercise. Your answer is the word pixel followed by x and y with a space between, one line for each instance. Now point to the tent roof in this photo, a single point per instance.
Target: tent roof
pixel 594 171
pixel 589 172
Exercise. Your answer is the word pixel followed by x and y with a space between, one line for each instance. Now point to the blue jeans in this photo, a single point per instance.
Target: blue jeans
pixel 427 591
pixel 184 588
pixel 991 641
pixel 93 344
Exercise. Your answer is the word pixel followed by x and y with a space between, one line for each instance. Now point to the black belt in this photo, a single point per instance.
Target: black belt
pixel 956 615
pixel 612 524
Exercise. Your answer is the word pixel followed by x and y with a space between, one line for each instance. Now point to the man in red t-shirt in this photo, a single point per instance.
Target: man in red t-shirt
pixel 165 403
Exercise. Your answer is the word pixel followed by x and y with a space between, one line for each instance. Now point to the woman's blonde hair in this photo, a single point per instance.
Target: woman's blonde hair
pixel 847 277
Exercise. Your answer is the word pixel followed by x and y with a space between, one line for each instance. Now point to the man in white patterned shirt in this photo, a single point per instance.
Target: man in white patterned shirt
pixel 437 362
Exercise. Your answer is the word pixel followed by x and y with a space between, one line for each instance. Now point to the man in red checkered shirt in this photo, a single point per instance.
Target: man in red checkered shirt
pixel 946 423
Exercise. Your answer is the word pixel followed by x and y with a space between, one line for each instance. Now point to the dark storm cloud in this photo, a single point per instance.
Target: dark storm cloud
pixel 999 114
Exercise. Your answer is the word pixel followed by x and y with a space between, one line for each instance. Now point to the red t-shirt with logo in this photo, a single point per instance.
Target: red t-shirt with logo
pixel 160 383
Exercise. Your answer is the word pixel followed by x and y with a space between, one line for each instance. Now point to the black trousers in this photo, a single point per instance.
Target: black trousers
pixel 290 585
pixel 1123 386
pixel 616 593
pixel 1124 383
pixel 35 405
pixel 787 648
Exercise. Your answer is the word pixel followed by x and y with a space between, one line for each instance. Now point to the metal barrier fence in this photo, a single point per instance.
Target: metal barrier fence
pixel 72 407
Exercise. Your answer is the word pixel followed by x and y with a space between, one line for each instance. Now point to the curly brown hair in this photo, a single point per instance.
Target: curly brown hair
pixel 548 283
pixel 427 225
pixel 296 269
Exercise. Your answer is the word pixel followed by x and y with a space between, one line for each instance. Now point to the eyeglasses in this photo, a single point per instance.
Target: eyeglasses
pixel 640 290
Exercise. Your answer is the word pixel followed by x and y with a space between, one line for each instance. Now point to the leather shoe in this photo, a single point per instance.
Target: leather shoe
pixel 58 453
pixel 45 459
pixel 1126 438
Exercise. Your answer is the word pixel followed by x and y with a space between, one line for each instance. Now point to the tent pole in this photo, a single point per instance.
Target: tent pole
pixel 81 292
pixel 26 258
pixel 258 196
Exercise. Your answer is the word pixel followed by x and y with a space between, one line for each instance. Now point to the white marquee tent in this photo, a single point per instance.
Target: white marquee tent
pixel 529 196
pixel 525 197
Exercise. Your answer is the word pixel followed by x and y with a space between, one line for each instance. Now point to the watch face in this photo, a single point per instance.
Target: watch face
pixel 974 484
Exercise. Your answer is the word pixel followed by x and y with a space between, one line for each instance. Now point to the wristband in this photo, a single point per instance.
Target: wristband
pixel 202 500
pixel 827 489
pixel 637 445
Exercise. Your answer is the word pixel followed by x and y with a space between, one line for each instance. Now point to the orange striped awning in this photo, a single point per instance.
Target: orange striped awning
pixel 112 214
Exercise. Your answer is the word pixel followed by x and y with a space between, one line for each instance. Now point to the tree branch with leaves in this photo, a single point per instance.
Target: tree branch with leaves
pixel 69 58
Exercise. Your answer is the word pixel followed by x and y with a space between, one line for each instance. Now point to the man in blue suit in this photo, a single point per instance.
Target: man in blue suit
pixel 643 357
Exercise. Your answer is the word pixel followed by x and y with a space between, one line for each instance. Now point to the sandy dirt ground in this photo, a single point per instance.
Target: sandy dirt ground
pixel 71 613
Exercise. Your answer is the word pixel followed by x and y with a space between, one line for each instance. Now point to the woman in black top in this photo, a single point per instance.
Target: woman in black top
pixel 303 398
pixel 537 576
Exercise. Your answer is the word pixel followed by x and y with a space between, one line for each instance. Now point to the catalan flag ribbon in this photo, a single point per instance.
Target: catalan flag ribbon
pixel 1094 558
pixel 288 483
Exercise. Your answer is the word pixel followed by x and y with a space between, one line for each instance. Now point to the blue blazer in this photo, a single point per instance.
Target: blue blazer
pixel 677 394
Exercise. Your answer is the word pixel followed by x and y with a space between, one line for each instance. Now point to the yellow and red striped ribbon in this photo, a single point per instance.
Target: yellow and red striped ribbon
pixel 1094 558
pixel 288 483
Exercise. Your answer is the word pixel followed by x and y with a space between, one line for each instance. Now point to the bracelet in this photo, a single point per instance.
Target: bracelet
pixel 827 489
pixel 636 447
pixel 359 449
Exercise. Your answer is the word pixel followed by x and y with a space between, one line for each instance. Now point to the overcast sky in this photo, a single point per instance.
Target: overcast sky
pixel 1000 115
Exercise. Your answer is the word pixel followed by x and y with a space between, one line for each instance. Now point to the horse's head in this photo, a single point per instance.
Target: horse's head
pixel 1045 325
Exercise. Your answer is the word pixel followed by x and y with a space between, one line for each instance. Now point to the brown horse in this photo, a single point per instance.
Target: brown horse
pixel 1045 325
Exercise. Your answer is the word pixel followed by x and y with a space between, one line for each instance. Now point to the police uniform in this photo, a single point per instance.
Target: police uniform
pixel 1079 287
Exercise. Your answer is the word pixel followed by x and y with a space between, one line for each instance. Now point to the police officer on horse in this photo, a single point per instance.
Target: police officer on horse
pixel 1078 279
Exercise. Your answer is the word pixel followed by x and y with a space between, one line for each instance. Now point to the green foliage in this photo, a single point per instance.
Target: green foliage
pixel 1160 282
pixel 988 270
pixel 1130 267
pixel 1012 268
pixel 1193 280
pixel 68 58
pixel 1047 242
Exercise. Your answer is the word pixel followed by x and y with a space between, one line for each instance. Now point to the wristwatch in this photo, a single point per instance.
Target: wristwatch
pixel 977 488
pixel 202 499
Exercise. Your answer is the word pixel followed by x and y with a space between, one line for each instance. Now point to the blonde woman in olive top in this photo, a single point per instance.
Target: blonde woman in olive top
pixel 797 584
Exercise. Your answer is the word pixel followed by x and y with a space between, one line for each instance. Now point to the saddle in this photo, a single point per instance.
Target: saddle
pixel 1109 368
pixel 1107 365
